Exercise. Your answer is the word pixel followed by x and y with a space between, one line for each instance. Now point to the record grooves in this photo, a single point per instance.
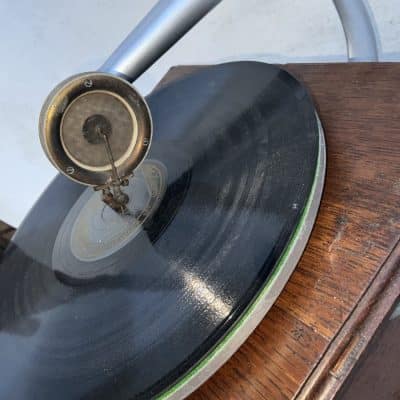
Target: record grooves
pixel 240 144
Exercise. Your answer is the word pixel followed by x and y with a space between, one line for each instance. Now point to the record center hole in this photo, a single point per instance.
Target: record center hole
pixel 95 127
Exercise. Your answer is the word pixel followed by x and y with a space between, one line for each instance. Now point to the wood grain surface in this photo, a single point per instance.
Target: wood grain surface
pixel 6 233
pixel 348 271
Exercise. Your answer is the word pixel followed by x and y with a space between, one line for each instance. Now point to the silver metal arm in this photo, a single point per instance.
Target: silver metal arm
pixel 162 27
pixel 169 20
pixel 359 30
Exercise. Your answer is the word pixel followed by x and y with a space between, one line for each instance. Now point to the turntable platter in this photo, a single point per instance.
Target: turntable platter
pixel 238 157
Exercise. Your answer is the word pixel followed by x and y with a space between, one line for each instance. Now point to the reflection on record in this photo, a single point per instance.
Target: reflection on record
pixel 98 306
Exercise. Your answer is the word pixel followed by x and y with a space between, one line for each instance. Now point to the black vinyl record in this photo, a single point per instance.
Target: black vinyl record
pixel 133 313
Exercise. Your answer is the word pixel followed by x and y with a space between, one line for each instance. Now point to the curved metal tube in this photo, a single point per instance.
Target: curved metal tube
pixel 358 29
pixel 169 20
pixel 164 25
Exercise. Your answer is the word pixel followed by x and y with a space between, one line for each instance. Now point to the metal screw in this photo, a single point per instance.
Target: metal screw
pixel 70 170
pixel 88 83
